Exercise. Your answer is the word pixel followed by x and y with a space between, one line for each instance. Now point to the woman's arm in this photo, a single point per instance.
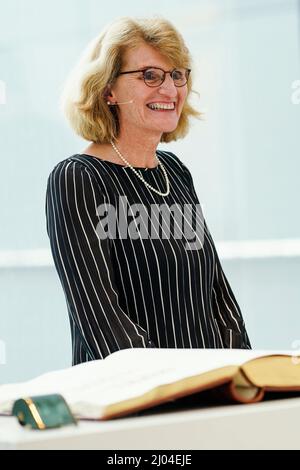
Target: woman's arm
pixel 225 307
pixel 227 312
pixel 83 263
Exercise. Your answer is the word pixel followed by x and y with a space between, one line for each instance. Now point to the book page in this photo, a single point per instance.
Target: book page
pixel 125 374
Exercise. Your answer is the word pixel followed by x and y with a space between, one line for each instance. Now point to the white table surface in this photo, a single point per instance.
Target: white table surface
pixel 267 425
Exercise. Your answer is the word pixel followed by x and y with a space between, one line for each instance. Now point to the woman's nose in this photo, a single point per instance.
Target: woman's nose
pixel 168 86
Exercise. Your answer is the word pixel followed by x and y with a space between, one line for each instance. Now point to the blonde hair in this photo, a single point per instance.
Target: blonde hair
pixel 83 98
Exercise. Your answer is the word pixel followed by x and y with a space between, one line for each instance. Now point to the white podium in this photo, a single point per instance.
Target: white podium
pixel 267 425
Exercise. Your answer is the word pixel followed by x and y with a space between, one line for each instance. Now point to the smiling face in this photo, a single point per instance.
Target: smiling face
pixel 138 116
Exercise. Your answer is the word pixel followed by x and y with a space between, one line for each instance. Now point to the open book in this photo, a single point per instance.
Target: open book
pixel 135 379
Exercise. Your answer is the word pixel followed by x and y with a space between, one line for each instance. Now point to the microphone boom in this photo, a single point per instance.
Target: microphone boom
pixel 115 104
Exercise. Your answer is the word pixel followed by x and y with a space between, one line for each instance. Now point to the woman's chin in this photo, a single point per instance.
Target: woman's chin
pixel 164 127
pixel 168 127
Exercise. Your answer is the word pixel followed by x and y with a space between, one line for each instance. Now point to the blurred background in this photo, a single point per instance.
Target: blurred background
pixel 244 158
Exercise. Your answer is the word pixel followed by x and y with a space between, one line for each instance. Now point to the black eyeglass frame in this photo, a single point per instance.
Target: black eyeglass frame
pixel 188 71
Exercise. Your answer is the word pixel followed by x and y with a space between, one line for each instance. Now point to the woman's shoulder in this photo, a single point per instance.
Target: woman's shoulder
pixel 82 170
pixel 74 164
pixel 71 171
pixel 174 162
pixel 172 158
pixel 169 157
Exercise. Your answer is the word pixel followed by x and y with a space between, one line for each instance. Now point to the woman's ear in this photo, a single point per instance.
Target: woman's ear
pixel 107 92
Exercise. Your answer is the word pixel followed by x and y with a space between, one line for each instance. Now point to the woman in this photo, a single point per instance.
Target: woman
pixel 128 285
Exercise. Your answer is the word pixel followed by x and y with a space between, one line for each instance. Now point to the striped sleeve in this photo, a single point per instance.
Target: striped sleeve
pixel 227 311
pixel 83 261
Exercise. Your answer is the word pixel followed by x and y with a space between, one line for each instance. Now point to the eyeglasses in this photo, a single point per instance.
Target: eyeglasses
pixel 154 76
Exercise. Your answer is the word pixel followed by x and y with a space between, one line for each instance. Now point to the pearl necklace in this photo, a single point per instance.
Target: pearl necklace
pixel 141 178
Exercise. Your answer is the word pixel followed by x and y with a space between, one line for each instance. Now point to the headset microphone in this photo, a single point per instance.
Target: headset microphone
pixel 117 103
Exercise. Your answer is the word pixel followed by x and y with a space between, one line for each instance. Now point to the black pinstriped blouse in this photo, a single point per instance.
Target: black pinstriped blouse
pixel 136 291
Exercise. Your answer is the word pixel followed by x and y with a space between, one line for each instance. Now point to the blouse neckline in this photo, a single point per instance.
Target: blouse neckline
pixel 119 165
